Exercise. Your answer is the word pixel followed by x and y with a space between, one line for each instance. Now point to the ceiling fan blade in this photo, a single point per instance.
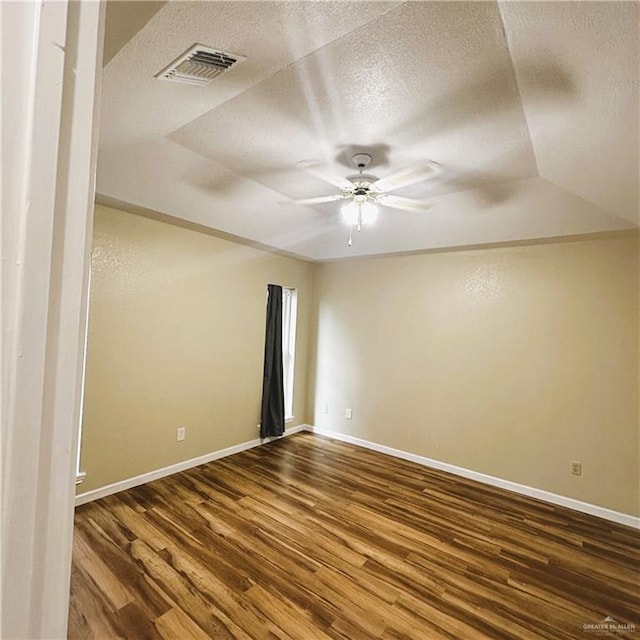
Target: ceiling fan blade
pixel 318 200
pixel 409 175
pixel 337 181
pixel 407 204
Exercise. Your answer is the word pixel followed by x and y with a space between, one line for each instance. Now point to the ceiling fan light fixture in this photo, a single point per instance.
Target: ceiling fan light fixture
pixel 368 212
pixel 356 213
pixel 360 198
pixel 349 213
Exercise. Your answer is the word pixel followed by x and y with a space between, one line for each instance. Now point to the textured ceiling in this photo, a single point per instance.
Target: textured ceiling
pixel 530 108
pixel 123 20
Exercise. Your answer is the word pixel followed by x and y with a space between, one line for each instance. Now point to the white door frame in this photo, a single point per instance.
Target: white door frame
pixel 51 69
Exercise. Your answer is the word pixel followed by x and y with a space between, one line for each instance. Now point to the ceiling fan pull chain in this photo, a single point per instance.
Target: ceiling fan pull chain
pixel 359 218
pixel 350 242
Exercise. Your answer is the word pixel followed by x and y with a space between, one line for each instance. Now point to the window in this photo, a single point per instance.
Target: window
pixel 289 307
pixel 81 475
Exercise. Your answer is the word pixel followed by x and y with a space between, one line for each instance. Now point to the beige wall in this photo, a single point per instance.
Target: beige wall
pixel 176 338
pixel 508 361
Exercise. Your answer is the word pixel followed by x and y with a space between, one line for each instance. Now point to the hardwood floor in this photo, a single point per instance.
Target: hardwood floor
pixel 309 538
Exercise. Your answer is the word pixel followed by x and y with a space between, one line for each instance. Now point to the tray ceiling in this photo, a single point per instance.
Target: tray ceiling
pixel 530 108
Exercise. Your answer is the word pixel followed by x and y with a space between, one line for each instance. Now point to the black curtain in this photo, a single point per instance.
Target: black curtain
pixel 272 416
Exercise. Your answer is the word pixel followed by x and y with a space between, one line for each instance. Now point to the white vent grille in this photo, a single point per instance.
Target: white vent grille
pixel 199 65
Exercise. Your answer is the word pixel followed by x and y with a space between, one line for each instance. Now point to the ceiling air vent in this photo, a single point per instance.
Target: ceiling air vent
pixel 199 65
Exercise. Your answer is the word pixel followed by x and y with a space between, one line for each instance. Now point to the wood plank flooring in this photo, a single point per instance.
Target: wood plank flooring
pixel 308 538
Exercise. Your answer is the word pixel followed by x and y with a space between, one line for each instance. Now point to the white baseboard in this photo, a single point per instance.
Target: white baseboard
pixel 546 496
pixel 136 481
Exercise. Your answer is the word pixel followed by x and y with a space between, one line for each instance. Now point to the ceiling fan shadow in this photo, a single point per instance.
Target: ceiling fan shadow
pixel 492 192
pixel 220 186
pixel 490 94
pixel 547 79
pixel 228 183
pixel 495 193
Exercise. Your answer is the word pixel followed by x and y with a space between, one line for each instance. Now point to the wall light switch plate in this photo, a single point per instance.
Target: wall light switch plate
pixel 181 434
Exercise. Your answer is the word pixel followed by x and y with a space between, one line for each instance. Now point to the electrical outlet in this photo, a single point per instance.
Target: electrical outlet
pixel 181 434
pixel 325 409
pixel 348 414
pixel 576 467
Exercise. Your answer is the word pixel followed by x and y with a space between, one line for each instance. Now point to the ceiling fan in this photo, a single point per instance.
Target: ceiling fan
pixel 364 191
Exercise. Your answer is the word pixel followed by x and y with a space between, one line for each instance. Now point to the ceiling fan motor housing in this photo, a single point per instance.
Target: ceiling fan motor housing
pixel 362 179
